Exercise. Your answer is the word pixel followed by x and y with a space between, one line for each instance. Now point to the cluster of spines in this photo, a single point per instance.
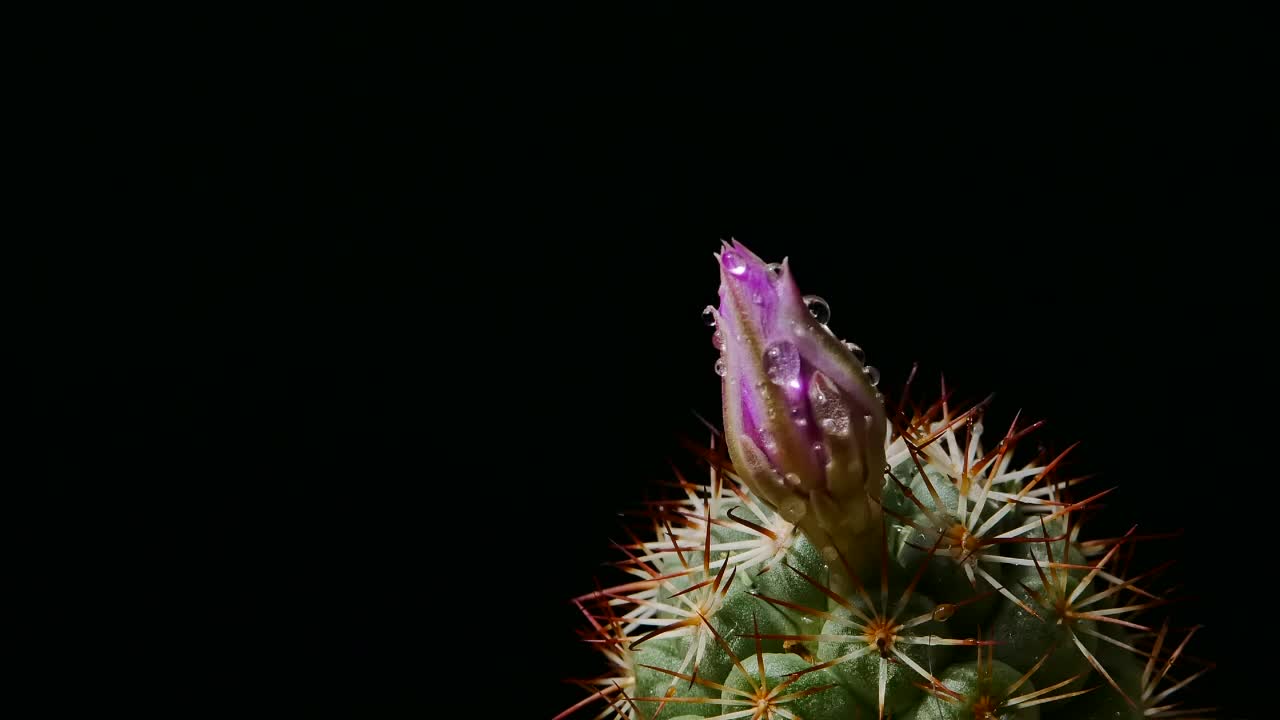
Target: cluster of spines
pixel 956 504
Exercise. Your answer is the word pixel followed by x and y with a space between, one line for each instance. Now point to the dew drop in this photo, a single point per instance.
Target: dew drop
pixel 767 441
pixel 792 509
pixel 818 308
pixel 720 368
pixel 782 362
pixel 829 407
pixel 873 375
pixel 733 262
pixel 717 340
pixel 853 348
pixel 775 269
pixel 709 316
pixel 792 479
pixel 944 611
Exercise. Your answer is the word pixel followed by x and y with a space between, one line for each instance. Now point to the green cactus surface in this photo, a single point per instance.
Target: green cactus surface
pixel 976 593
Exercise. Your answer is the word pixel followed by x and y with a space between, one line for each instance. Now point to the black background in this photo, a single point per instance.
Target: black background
pixel 425 316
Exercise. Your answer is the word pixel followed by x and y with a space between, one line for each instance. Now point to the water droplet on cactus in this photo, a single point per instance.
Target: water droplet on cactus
pixel 793 509
pixel 720 367
pixel 944 611
pixel 818 308
pixel 709 316
pixel 873 375
pixel 782 363
pixel 733 262
pixel 857 351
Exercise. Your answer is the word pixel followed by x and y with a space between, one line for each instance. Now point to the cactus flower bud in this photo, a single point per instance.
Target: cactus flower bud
pixel 804 423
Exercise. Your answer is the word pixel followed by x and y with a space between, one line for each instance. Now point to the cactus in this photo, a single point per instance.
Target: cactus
pixel 852 557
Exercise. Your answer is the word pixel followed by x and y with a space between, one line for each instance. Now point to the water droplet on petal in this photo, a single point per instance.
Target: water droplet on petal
pixel 793 508
pixel 782 363
pixel 768 442
pixel 717 340
pixel 818 308
pixel 720 368
pixel 733 262
pixel 829 406
pixel 857 351
pixel 709 316
pixel 775 269
pixel 873 375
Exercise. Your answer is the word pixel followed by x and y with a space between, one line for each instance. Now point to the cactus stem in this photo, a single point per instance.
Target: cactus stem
pixel 991 701
pixel 1068 610
pixel 761 702
pixel 879 630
